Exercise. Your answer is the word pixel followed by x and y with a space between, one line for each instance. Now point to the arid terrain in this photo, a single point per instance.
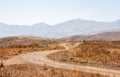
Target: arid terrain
pixel 104 53
pixel 12 46
pixel 59 38
pixel 38 57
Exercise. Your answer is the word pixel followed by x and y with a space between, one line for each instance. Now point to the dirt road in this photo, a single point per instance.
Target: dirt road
pixel 40 58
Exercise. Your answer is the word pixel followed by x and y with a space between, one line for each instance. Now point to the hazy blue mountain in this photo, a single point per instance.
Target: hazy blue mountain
pixel 68 28
pixel 11 30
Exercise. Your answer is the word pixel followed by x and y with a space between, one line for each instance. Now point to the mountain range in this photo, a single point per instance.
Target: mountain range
pixel 65 29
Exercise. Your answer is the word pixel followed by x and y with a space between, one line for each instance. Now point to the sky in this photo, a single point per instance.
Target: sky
pixel 28 12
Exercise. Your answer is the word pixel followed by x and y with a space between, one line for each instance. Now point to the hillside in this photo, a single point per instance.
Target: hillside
pixel 115 35
pixel 92 53
pixel 15 45
pixel 19 40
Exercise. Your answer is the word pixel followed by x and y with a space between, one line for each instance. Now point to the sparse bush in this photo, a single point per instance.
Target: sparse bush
pixel 1 64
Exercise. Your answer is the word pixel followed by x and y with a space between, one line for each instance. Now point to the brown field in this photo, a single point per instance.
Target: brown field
pixel 96 53
pixel 105 54
pixel 12 50
pixel 15 45
pixel 30 70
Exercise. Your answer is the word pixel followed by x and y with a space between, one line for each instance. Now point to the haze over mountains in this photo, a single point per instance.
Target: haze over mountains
pixel 68 28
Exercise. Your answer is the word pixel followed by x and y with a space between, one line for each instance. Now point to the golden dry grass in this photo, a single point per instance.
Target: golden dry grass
pixel 13 50
pixel 105 53
pixel 30 70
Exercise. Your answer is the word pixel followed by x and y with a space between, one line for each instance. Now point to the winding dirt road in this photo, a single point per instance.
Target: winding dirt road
pixel 40 58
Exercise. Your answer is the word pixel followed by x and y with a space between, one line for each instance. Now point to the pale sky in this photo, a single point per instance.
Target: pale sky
pixel 28 12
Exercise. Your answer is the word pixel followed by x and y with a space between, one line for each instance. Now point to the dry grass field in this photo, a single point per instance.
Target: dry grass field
pixel 97 53
pixel 12 50
pixel 94 53
pixel 30 70
pixel 15 45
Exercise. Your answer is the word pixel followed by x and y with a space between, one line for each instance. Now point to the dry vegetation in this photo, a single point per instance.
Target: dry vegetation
pixel 104 53
pixel 30 70
pixel 12 50
pixel 14 45
pixel 90 52
pixel 97 51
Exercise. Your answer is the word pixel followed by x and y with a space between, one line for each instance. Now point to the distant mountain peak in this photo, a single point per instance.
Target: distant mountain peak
pixel 40 24
pixel 2 24
pixel 117 21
